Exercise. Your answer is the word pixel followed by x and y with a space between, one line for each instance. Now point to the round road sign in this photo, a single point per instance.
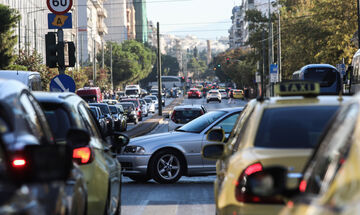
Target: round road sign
pixel 59 6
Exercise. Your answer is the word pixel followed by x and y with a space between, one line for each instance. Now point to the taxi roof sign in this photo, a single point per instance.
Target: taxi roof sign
pixel 297 88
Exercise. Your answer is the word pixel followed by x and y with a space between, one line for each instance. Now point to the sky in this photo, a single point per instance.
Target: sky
pixel 207 19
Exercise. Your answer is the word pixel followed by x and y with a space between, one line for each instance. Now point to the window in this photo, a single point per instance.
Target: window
pixel 88 120
pixel 200 123
pixel 228 123
pixel 293 127
pixel 325 76
pixel 332 152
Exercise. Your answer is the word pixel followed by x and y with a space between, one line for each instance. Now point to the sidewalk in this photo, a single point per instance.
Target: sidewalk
pixel 150 124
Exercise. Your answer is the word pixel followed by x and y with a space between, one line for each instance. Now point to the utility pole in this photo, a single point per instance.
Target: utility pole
pixel 102 55
pixel 111 68
pixel 94 63
pixel 159 70
pixel 279 48
pixel 35 35
pixel 19 28
pixel 263 62
pixel 270 45
pixel 358 9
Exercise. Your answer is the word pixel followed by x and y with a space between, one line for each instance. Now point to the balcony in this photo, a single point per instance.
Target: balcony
pixel 102 12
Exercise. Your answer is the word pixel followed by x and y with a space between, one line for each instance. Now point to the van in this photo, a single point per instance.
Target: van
pixel 31 79
pixel 132 90
pixel 90 94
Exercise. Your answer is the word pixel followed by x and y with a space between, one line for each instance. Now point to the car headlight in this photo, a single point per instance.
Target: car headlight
pixel 134 149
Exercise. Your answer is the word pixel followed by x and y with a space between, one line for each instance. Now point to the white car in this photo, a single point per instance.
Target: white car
pixel 144 107
pixel 184 114
pixel 213 95
pixel 223 93
pixel 151 105
pixel 154 99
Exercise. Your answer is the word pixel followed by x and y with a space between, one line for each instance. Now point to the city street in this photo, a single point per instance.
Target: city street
pixel 153 198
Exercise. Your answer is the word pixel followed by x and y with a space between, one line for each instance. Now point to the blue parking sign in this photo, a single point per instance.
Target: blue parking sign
pixel 62 83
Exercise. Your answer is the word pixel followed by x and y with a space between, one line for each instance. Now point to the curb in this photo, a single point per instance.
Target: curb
pixel 150 124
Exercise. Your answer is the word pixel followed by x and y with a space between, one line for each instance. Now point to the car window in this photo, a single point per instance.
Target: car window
pixel 185 116
pixel 228 123
pixel 33 121
pixel 242 123
pixel 113 109
pixel 332 152
pixel 202 122
pixel 88 120
pixel 293 127
pixel 104 108
pixel 58 119
pixel 94 112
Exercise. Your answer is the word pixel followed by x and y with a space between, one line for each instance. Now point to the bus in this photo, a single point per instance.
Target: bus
pixel 168 82
pixel 353 78
pixel 31 79
pixel 326 75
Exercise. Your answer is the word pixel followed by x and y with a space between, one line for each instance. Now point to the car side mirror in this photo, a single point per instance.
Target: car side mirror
pixel 120 140
pixel 42 163
pixel 77 138
pixel 216 135
pixel 268 183
pixel 213 151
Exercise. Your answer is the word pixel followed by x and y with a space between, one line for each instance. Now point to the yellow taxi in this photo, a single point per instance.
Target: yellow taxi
pixel 330 183
pixel 281 130
pixel 238 94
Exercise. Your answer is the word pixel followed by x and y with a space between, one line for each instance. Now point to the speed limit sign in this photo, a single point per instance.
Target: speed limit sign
pixel 59 6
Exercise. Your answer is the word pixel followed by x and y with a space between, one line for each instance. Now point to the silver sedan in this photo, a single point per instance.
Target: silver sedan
pixel 167 156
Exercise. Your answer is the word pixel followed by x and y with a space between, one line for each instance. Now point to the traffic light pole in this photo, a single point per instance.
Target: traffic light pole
pixel 60 35
pixel 159 70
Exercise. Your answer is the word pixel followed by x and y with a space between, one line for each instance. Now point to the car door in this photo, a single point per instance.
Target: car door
pixel 227 124
pixel 111 164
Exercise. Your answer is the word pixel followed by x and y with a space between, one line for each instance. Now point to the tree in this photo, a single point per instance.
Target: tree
pixel 8 21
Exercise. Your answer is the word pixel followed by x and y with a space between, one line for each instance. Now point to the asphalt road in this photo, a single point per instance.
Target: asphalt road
pixel 190 195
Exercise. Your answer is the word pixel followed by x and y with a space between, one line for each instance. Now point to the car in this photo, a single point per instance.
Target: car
pixel 330 178
pixel 280 130
pixel 119 119
pixel 90 94
pixel 27 185
pixel 223 93
pixel 138 106
pixel 154 99
pixel 130 112
pixel 238 94
pixel 194 93
pixel 144 107
pixel 183 114
pixel 121 95
pixel 151 104
pixel 100 118
pixel 105 110
pixel 213 95
pixel 167 156
pixel 96 158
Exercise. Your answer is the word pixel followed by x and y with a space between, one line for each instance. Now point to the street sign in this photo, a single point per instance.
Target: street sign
pixel 273 73
pixel 62 83
pixel 59 6
pixel 59 21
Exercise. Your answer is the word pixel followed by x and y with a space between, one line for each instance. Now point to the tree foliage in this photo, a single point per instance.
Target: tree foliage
pixel 8 21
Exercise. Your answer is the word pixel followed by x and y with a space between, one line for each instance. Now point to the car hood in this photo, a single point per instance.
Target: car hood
pixel 174 136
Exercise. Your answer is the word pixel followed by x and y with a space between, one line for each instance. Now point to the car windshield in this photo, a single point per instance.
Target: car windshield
pixel 325 76
pixel 185 116
pixel 113 109
pixel 132 92
pixel 104 108
pixel 199 124
pixel 148 100
pixel 293 127
pixel 132 101
pixel 127 106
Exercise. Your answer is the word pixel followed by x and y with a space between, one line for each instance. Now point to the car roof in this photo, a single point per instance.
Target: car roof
pixel 300 100
pixel 181 107
pixel 9 87
pixel 317 66
pixel 127 103
pixel 55 97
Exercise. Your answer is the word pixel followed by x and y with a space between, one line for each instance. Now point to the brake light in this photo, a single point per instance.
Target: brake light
pixel 302 186
pixel 241 193
pixel 18 163
pixel 82 155
pixel 173 116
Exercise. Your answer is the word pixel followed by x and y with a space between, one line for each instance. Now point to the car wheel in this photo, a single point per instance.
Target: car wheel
pixel 167 167
pixel 140 178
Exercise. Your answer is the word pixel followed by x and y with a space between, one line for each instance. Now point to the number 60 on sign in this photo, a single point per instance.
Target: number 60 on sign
pixel 59 6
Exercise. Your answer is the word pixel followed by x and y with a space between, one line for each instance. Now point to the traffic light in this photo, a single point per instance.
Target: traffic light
pixel 182 79
pixel 71 54
pixel 227 60
pixel 51 49
pixel 61 54
pixel 219 65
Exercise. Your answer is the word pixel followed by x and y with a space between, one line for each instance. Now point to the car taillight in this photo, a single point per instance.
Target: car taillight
pixel 173 116
pixel 82 155
pixel 202 112
pixel 18 163
pixel 241 193
pixel 302 186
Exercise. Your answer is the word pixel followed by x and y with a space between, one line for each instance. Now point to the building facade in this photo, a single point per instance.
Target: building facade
pixel 130 20
pixel 141 20
pixel 239 32
pixel 116 20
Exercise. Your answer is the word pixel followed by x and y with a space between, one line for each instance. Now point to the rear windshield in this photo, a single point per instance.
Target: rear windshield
pixel 104 108
pixel 293 127
pixel 325 76
pixel 127 106
pixel 132 92
pixel 214 93
pixel 202 122
pixel 193 91
pixel 94 111
pixel 148 100
pixel 59 121
pixel 113 109
pixel 185 116
pixel 90 98
pixel 132 101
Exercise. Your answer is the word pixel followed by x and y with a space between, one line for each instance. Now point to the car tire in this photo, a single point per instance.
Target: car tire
pixel 139 178
pixel 167 167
